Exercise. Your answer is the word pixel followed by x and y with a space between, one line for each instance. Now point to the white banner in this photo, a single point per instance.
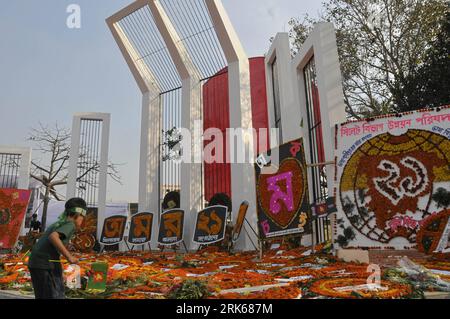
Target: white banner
pixel 56 208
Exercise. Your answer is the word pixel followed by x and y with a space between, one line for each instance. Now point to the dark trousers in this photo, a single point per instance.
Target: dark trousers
pixel 47 284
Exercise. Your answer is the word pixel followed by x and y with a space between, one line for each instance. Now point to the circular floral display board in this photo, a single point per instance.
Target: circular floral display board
pixel 388 184
pixel 84 242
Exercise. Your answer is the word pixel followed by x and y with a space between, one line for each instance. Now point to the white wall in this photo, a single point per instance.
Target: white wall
pixel 321 44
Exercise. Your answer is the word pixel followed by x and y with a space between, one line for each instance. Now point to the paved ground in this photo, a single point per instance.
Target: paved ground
pixel 437 295
pixel 13 295
pixel 390 258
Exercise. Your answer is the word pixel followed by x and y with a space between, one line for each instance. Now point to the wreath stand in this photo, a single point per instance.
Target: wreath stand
pixel 313 233
pixel 141 245
pixel 235 238
pixel 174 246
pixel 263 241
pixel 102 245
pixel 202 246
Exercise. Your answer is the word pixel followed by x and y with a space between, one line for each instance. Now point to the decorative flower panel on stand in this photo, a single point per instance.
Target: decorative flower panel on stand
pixel 283 203
pixel 391 174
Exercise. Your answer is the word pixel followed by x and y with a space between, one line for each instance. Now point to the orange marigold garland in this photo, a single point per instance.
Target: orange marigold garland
pixel 150 275
pixel 9 279
pixel 330 288
pixel 225 281
pixel 288 292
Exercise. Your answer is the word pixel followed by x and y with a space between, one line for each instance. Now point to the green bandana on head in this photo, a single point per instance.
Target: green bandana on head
pixel 78 210
pixel 62 219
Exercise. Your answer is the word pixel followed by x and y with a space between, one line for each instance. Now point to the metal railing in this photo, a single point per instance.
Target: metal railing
pixel 317 154
pixel 9 170
pixel 89 161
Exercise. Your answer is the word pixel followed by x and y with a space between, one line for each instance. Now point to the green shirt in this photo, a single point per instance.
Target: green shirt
pixel 44 251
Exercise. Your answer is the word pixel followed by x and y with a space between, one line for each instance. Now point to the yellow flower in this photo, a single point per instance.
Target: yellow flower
pixel 302 220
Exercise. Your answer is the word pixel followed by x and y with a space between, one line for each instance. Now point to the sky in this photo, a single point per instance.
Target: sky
pixel 49 72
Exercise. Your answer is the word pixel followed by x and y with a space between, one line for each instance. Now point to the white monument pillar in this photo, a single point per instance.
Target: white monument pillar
pixel 191 172
pixel 291 118
pixel 321 44
pixel 75 153
pixel 150 157
pixel 242 175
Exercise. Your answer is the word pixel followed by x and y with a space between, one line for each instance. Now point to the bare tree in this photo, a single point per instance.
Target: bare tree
pixel 53 143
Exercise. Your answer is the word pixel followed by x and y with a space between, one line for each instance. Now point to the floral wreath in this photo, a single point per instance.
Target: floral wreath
pixel 431 231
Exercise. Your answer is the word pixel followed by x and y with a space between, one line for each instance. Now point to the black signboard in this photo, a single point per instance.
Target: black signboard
pixel 171 227
pixel 282 193
pixel 210 225
pixel 140 229
pixel 113 230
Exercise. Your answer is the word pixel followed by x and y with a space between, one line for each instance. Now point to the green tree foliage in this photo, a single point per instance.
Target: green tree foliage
pixel 429 86
pixel 381 45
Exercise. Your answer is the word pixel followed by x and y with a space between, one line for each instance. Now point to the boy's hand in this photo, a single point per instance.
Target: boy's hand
pixel 72 260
